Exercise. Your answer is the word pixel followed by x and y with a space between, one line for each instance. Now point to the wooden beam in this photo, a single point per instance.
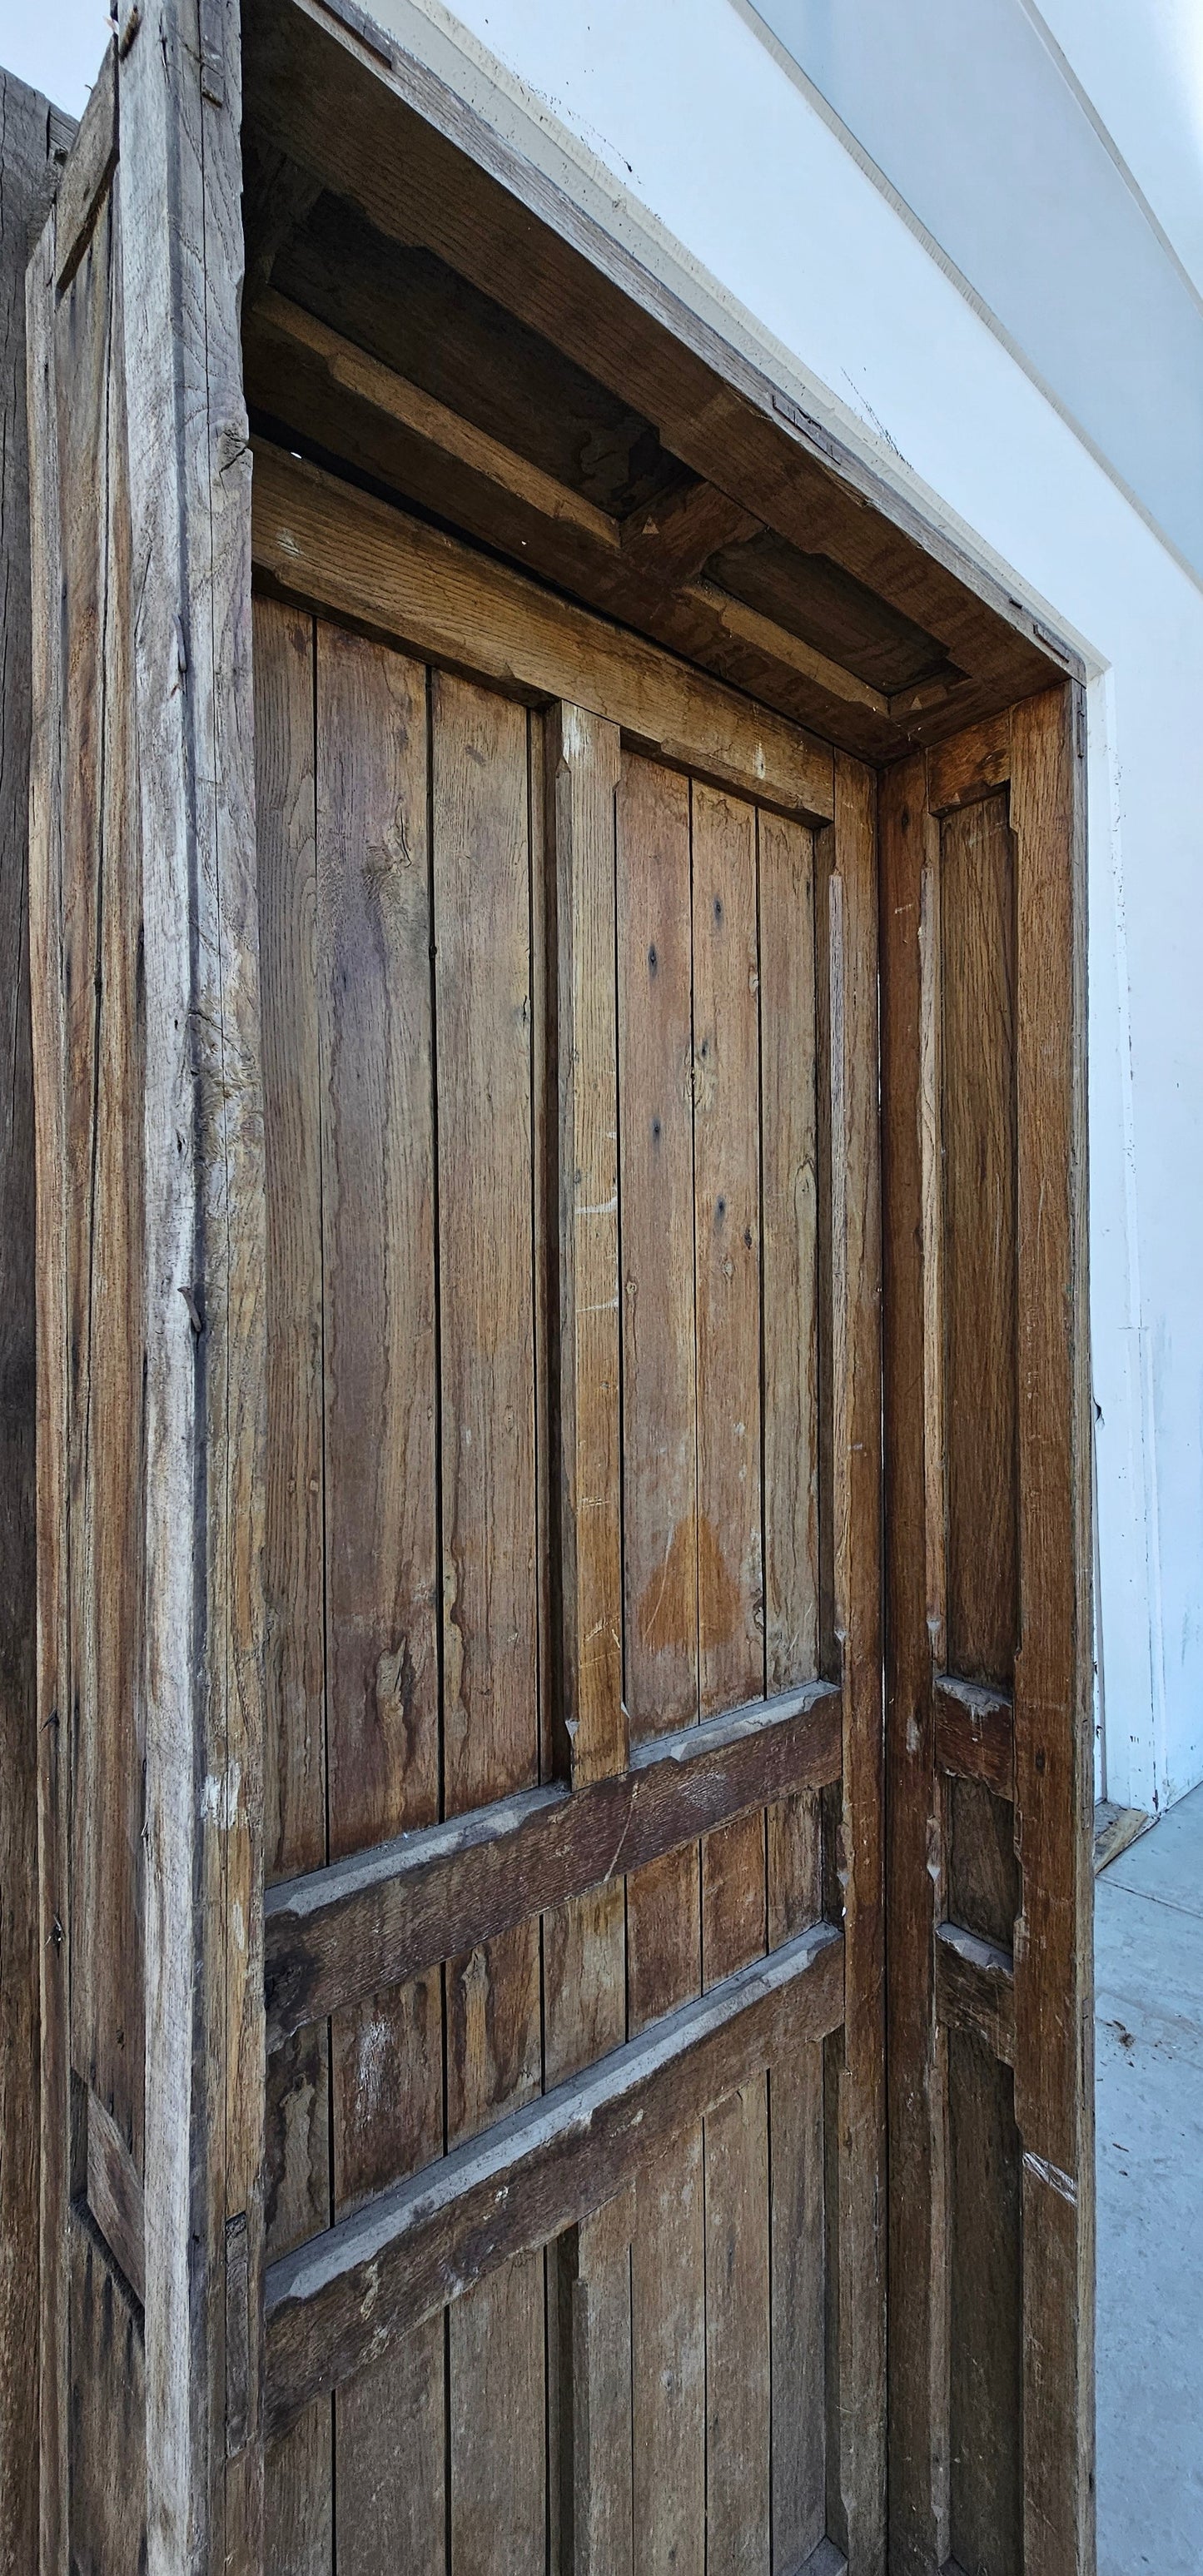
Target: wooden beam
pixel 736 618
pixel 975 1737
pixel 375 1920
pixel 115 2195
pixel 975 1987
pixel 339 2302
pixel 87 174
pixel 338 548
pixel 352 371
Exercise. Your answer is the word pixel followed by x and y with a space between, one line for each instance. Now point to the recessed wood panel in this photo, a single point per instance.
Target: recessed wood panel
pixel 977 914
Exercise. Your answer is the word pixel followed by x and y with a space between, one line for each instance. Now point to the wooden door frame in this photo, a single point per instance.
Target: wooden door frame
pixel 198 2237
pixel 1032 1747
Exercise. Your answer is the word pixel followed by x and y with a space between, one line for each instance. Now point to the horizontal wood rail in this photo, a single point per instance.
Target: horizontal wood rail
pixel 975 1734
pixel 329 544
pixel 975 1987
pixel 380 1917
pixel 336 2305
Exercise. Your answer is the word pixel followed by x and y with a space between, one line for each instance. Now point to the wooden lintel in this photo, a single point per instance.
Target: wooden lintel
pixel 324 542
pixel 336 2305
pixel 975 1734
pixel 370 381
pixel 380 1917
pixel 975 1987
pixel 115 2196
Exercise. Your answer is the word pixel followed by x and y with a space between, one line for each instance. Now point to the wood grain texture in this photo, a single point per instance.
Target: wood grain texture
pixel 975 1734
pixel 1053 1746
pixel 596 2463
pixel 344 1934
pixel 381 1530
pixel 179 185
pixel 323 542
pixel 50 1109
pixel 115 2198
pixel 849 917
pixel 985 2329
pixel 481 872
pixel 33 136
pixel 975 1988
pixel 469 2212
pixel 660 1541
pixel 918 2421
pixel 584 759
pixel 297 2524
pixel 108 2406
pixel 286 823
pixel 978 929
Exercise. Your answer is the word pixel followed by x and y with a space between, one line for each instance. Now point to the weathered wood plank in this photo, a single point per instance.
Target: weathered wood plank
pixel 34 136
pixel 480 806
pixel 1054 2100
pixel 971 765
pixel 89 169
pixel 53 1678
pixel 179 181
pixel 351 370
pixel 335 2304
pixel 344 1934
pixel 856 2419
pixel 975 1734
pixel 584 758
pixel 297 2527
pixel 914 1523
pixel 977 946
pixel 115 2194
pixel 975 1987
pixel 380 1561
pixel 323 542
pixel 596 2465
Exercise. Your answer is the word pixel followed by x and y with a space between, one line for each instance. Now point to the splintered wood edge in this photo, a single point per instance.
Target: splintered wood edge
pixel 339 2302
pixel 324 542
pixel 975 1987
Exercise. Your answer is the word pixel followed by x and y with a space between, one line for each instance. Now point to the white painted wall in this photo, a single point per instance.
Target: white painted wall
pixel 678 123
pixel 711 157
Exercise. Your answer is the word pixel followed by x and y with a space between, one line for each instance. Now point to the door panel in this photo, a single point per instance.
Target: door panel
pixel 988 1667
pixel 545 1027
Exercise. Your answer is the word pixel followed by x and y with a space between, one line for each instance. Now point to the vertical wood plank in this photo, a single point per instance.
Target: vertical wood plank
pixel 584 2002
pixel 731 1637
pixel 1053 1745
pixel 481 861
pixel 285 808
pixel 660 1615
pixel 977 1095
pixel 380 1486
pixel 913 1356
pixel 584 755
pixel 298 2528
pixel 32 132
pixel 789 1289
pixel 179 184
pixel 298 2524
pixel 850 918
pixel 49 1066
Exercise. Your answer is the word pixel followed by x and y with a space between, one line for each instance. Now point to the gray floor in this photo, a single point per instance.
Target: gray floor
pixel 1149 2008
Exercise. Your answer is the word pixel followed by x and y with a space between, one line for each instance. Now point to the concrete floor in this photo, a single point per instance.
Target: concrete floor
pixel 1149 2029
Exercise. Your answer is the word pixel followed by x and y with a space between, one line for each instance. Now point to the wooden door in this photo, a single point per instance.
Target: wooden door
pixel 988 1682
pixel 574 1970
